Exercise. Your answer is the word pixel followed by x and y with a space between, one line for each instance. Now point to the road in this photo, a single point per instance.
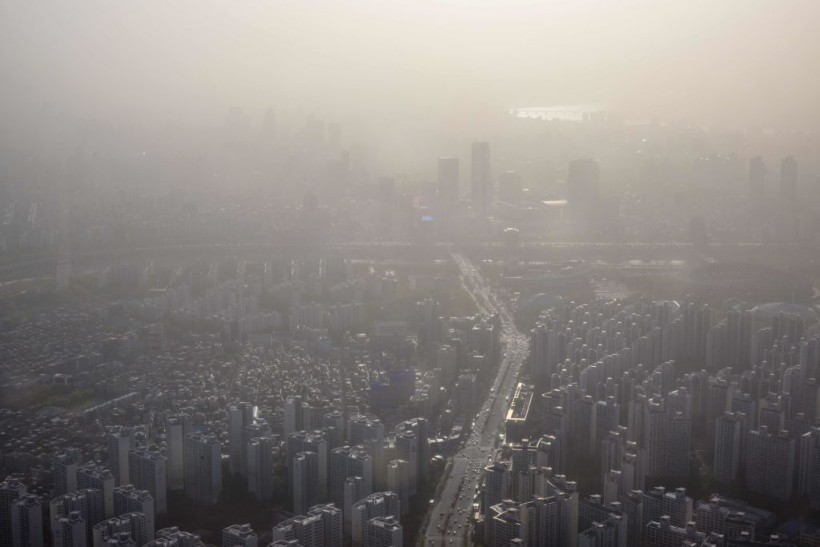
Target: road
pixel 449 522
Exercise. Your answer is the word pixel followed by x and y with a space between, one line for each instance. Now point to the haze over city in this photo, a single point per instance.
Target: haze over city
pixel 366 273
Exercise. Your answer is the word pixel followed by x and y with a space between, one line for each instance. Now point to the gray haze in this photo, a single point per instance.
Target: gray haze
pixel 737 62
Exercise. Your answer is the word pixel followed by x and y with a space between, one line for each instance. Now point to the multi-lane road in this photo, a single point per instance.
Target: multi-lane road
pixel 449 521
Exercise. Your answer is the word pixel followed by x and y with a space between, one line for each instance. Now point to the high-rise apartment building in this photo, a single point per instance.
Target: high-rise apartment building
pixel 239 535
pixel 128 499
pixel 64 465
pixel 147 471
pixel 203 467
pixel 91 475
pixel 119 446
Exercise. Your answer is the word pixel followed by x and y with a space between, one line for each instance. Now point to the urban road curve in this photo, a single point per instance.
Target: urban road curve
pixel 449 520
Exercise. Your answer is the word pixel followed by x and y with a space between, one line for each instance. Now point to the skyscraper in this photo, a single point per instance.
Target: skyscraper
pixel 481 182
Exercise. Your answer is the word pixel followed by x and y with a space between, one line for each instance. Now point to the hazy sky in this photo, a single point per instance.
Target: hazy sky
pixel 733 62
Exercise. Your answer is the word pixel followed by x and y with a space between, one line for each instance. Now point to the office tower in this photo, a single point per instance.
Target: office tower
pixel 583 185
pixel 238 535
pixel 448 181
pixel 757 179
pixel 146 469
pixel 203 468
pixel 380 504
pixel 259 452
pixel 788 180
pixel 134 524
pixel 91 475
pixel 728 446
pixel 239 416
pixel 809 477
pixel 398 481
pixel 69 530
pixel 481 179
pixel 88 503
pixel 509 187
pixel 11 490
pixel 65 465
pixel 662 533
pixel 496 484
pixel 770 463
pixel 119 445
pixel 349 461
pixel 310 441
pixel 334 426
pixel 176 428
pixel 383 532
pixel 27 522
pixel 128 499
pixel 293 415
pixel 305 482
